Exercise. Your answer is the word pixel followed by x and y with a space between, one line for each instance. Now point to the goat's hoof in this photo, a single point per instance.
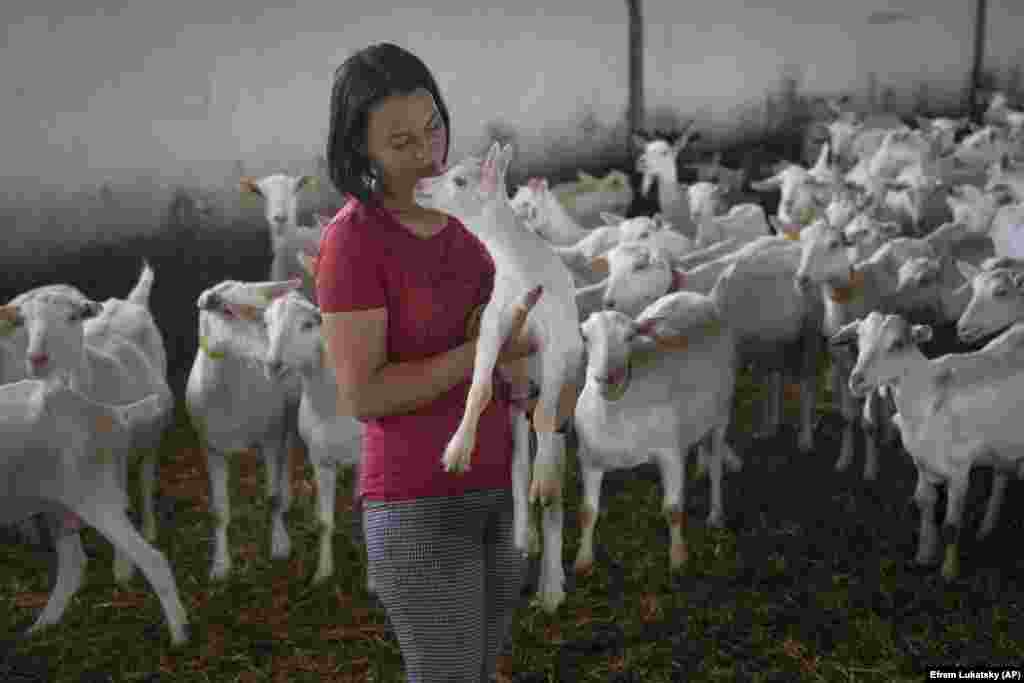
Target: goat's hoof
pixel 984 532
pixel 280 547
pixel 220 571
pixel 951 565
pixel 181 636
pixel 806 443
pixel 456 459
pixel 716 521
pixel 550 599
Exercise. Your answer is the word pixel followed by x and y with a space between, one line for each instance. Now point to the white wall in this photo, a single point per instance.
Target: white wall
pixel 195 85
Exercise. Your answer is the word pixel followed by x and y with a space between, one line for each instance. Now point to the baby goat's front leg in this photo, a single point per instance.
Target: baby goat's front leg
pixel 496 324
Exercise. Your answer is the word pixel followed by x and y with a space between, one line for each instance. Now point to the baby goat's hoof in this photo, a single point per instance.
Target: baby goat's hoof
pixel 457 456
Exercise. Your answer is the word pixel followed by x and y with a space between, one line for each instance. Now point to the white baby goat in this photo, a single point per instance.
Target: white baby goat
pixel 474 192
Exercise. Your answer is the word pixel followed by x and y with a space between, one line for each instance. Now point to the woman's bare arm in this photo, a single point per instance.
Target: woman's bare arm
pixel 369 386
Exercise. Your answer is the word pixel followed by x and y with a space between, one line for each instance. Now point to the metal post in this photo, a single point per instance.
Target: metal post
pixel 980 11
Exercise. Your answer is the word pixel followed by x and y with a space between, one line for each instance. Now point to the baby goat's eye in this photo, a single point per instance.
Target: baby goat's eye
pixel 999 292
pixel 459 181
pixel 308 325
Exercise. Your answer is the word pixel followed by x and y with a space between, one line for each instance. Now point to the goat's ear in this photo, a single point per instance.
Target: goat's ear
pixel 919 334
pixel 599 264
pixel 612 218
pixel 968 270
pixel 1018 280
pixel 87 309
pixel 278 289
pixel 847 334
pixel 489 171
pixel 645 328
pixel 247 184
pixel 766 185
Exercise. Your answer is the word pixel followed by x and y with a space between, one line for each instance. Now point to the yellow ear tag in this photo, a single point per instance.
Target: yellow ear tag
pixel 807 215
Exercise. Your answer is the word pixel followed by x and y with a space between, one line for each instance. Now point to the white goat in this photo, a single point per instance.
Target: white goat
pixel 1006 174
pixel 281 204
pixel 955 412
pixel 999 112
pixel 293 329
pixel 943 131
pixel 557 214
pixel 919 199
pixel 852 140
pixel 105 365
pixel 233 406
pixel 759 303
pixel 744 223
pixel 130 318
pixel 657 159
pixel 59 454
pixel 805 193
pixel 639 405
pixel 542 212
pixel 584 258
pixel 867 235
pixel 983 147
pixel 475 193
pixel 850 289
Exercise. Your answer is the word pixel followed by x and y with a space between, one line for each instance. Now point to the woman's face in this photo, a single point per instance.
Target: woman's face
pixel 406 137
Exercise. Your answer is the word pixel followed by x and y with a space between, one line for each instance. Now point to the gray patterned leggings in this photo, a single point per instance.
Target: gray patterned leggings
pixel 449 577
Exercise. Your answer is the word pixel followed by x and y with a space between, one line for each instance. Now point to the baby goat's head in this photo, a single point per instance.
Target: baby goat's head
pixel 466 189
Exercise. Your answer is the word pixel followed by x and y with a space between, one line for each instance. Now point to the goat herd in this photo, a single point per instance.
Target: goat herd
pixel 642 326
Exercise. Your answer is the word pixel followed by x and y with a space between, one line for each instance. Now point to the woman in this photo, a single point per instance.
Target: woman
pixel 398 286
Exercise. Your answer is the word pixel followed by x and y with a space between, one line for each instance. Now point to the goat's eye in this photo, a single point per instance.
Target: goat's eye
pixel 1000 292
pixel 896 345
pixel 308 325
pixel 459 181
pixel 834 244
pixel 642 265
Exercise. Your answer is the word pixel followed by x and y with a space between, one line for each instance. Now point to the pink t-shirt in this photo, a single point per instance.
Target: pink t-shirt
pixel 429 287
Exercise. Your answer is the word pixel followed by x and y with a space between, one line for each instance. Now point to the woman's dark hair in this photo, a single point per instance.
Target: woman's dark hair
pixel 362 81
